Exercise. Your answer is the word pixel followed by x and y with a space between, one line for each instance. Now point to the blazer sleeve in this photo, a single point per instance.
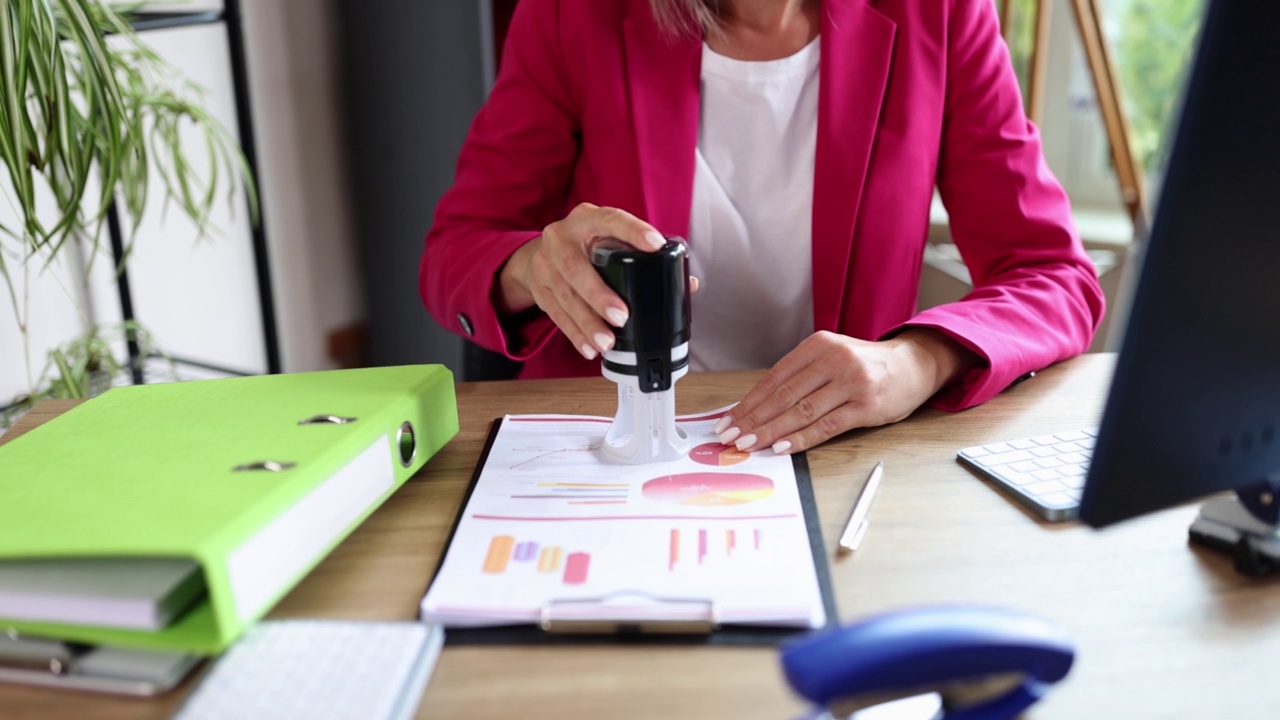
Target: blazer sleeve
pixel 512 180
pixel 1036 298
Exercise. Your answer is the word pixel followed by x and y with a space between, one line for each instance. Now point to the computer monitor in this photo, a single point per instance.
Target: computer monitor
pixel 1194 405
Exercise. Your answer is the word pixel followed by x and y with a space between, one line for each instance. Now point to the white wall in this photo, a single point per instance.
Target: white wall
pixel 296 81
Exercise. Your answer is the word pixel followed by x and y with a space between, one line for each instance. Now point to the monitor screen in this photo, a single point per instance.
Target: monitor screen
pixel 1194 405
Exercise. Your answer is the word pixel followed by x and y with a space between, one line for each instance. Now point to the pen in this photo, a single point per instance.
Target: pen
pixel 857 524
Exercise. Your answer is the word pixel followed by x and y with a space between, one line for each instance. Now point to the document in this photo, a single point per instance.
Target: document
pixel 552 529
pixel 144 593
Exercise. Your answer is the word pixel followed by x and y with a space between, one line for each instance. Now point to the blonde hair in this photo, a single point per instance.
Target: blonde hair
pixel 686 17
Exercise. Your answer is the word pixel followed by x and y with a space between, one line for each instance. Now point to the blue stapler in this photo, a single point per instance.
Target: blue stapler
pixel 980 663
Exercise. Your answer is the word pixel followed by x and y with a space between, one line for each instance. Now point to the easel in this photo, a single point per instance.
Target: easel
pixel 1088 21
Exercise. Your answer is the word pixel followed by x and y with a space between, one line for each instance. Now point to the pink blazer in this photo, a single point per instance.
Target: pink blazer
pixel 593 103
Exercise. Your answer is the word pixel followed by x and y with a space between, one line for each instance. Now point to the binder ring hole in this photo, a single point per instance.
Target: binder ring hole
pixel 326 420
pixel 266 465
pixel 406 443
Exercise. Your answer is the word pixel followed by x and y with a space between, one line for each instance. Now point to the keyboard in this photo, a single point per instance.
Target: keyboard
pixel 1045 473
pixel 319 669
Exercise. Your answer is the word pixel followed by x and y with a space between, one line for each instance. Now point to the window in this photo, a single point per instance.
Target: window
pixel 1150 44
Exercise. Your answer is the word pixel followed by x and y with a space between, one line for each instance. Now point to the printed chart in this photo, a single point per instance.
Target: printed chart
pixel 707 489
pixel 550 520
pixel 702 545
pixel 504 550
pixel 539 460
pixel 573 493
pixel 718 454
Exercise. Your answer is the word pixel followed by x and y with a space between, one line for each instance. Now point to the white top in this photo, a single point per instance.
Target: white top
pixel 751 224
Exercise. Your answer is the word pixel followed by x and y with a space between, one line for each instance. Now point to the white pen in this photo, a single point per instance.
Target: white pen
pixel 856 527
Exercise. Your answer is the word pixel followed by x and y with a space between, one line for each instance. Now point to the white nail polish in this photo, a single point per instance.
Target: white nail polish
pixel 720 426
pixel 588 352
pixel 655 239
pixel 604 341
pixel 782 446
pixel 728 436
pixel 746 441
pixel 616 317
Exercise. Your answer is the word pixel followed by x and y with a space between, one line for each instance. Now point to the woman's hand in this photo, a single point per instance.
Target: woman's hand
pixel 554 272
pixel 832 383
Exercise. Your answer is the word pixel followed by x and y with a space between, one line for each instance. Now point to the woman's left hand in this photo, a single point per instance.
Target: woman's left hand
pixel 832 383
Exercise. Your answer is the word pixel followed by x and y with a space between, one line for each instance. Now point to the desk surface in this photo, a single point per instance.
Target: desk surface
pixel 1163 629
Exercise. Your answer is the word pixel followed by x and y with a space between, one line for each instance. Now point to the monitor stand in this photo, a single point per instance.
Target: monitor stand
pixel 1247 526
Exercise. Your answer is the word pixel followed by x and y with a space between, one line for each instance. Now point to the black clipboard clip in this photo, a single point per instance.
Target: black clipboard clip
pixel 629 612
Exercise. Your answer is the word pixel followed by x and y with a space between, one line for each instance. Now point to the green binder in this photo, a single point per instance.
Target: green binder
pixel 254 478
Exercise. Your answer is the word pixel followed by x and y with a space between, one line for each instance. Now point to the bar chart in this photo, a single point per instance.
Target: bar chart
pixel 504 551
pixel 703 546
pixel 573 493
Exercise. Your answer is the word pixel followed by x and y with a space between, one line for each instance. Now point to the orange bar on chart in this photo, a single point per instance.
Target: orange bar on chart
pixel 499 553
pixel 549 559
pixel 675 549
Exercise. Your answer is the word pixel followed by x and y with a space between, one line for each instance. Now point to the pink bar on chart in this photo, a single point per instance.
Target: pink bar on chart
pixel 675 549
pixel 757 539
pixel 702 545
pixel 575 568
pixel 731 541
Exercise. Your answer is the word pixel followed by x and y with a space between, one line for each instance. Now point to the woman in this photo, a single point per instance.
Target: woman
pixel 796 144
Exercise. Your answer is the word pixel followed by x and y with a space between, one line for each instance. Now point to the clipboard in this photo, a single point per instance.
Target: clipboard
pixel 554 628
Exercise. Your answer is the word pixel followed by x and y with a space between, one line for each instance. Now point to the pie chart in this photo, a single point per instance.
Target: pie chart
pixel 717 454
pixel 708 488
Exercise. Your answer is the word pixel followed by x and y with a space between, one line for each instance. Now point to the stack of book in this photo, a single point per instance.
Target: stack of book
pixel 171 517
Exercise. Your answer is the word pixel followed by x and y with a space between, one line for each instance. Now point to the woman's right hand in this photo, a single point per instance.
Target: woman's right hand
pixel 554 272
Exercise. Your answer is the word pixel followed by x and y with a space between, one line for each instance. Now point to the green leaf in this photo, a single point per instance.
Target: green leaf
pixel 72 104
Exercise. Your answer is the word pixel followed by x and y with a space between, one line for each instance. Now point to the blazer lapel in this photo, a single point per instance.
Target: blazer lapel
pixel 857 47
pixel 663 77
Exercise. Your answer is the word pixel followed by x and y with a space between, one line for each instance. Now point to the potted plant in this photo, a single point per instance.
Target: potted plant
pixel 81 98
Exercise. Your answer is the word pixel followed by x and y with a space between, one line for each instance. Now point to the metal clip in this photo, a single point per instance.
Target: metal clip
pixel 327 420
pixel 268 465
pixel 630 612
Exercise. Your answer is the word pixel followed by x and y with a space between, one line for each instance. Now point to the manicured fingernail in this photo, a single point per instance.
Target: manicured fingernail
pixel 617 317
pixel 720 426
pixel 654 239
pixel 727 436
pixel 588 352
pixel 746 441
pixel 604 341
pixel 782 446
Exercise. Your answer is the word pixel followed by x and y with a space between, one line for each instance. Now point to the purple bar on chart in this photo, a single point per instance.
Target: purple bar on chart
pixel 702 545
pixel 525 551
pixel 757 539
pixel 575 568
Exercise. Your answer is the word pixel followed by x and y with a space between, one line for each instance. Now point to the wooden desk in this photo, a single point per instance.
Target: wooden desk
pixel 1163 629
